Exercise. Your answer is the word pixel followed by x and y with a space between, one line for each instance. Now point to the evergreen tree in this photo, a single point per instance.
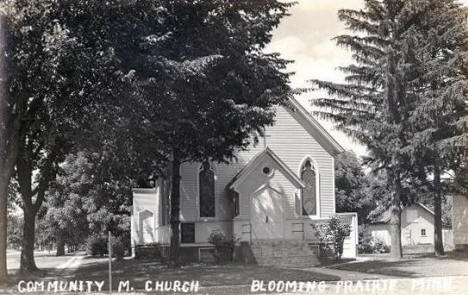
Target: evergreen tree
pixel 374 103
pixel 440 115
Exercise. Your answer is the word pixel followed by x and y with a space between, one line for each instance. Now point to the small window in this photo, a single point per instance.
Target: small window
pixel 266 170
pixel 423 232
pixel 236 205
pixel 187 232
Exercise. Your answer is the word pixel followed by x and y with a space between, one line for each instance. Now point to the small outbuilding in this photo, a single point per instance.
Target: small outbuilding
pixel 460 222
pixel 417 229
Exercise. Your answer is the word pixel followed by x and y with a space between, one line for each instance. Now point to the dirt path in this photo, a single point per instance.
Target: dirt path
pixel 73 263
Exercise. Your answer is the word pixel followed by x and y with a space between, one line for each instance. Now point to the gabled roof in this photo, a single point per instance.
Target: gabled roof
pixel 386 215
pixel 313 126
pixel 256 161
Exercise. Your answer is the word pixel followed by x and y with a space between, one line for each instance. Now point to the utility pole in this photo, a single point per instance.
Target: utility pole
pixel 109 251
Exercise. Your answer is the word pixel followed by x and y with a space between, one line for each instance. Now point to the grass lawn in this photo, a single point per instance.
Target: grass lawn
pixel 454 264
pixel 219 279
pixel 139 271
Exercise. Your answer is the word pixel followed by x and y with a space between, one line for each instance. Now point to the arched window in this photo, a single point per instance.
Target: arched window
pixel 206 187
pixel 309 198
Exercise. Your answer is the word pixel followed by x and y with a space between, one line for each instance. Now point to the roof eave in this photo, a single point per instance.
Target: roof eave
pixel 330 144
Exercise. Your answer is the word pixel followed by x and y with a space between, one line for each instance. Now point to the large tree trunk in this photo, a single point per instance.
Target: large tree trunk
pixel 27 263
pixel 3 228
pixel 60 246
pixel 395 221
pixel 25 175
pixel 175 211
pixel 5 171
pixel 438 239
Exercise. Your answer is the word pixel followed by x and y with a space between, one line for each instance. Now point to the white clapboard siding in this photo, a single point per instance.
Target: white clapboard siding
pixel 291 142
pixel 460 220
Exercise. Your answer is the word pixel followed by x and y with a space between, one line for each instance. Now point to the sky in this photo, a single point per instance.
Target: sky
pixel 306 38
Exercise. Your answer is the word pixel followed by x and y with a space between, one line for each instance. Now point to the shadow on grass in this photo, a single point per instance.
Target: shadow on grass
pixel 457 255
pixel 43 274
pixel 140 271
pixel 382 267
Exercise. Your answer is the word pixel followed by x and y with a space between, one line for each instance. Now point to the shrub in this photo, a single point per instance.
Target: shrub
pixel 118 248
pixel 380 247
pixel 224 246
pixel 365 244
pixel 96 245
pixel 369 244
pixel 331 236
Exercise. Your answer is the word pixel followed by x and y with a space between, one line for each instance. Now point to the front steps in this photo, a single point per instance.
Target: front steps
pixel 284 253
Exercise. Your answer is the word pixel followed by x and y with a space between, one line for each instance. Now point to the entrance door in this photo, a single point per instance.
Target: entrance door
pixel 146 227
pixel 267 215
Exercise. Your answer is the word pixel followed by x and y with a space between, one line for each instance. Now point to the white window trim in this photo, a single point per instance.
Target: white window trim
pixel 315 166
pixel 213 167
pixel 425 232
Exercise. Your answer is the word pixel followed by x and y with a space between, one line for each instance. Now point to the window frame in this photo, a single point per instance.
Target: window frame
pixel 423 232
pixel 316 169
pixel 198 201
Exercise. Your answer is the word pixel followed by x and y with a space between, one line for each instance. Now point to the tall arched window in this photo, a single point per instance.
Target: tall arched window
pixel 309 198
pixel 206 186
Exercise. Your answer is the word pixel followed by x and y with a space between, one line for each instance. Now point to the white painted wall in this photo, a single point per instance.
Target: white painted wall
pixel 291 142
pixel 145 200
pixel 413 220
pixel 460 220
pixel 380 232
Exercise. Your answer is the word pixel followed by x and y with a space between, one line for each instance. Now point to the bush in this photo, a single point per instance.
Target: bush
pixel 224 247
pixel 365 244
pixel 369 244
pixel 96 245
pixel 118 248
pixel 331 236
pixel 380 247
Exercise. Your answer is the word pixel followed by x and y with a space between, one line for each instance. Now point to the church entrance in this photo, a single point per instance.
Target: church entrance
pixel 267 214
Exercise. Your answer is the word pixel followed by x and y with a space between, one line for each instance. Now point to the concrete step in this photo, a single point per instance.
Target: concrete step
pixel 284 253
pixel 296 261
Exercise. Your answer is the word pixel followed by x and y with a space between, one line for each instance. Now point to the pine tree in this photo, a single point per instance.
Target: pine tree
pixel 440 115
pixel 374 102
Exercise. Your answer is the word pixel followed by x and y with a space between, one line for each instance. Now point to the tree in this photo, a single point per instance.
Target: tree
pixel 89 198
pixel 207 85
pixel 353 193
pixel 42 56
pixel 7 148
pixel 374 103
pixel 440 116
pixel 67 211
pixel 63 67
